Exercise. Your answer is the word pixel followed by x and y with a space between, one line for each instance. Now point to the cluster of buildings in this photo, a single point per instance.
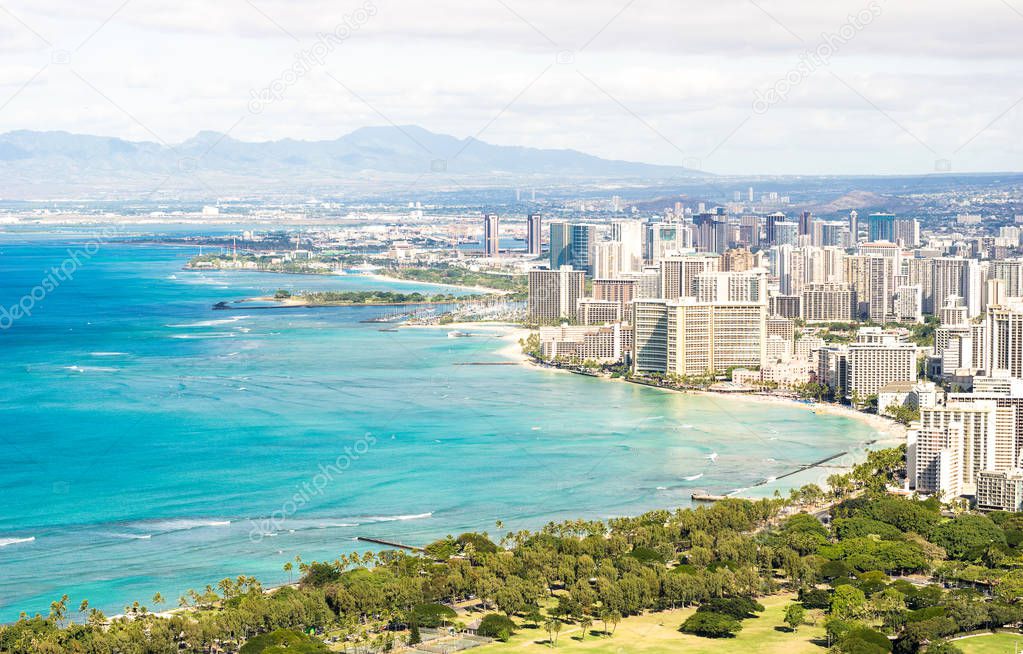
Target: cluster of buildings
pixel 866 308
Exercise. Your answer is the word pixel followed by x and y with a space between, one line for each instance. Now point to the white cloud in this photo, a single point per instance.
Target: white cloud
pixel 672 76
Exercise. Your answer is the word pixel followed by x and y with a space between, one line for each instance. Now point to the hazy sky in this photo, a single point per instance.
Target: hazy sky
pixel 893 86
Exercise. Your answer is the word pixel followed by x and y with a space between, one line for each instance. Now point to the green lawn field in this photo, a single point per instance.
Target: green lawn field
pixel 657 633
pixel 991 644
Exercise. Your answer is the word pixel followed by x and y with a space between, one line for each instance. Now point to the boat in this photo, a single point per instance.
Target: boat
pixel 457 334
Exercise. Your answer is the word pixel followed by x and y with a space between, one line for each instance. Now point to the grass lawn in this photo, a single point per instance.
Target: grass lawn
pixel 657 633
pixel 991 644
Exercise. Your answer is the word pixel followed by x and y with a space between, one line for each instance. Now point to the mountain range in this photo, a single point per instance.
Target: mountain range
pixel 59 162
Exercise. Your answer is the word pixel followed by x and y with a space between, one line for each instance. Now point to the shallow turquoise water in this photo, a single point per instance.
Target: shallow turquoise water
pixel 148 439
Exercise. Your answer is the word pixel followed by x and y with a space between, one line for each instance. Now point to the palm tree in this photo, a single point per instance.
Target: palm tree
pixel 615 618
pixel 553 628
pixel 288 567
pixel 586 623
pixel 58 610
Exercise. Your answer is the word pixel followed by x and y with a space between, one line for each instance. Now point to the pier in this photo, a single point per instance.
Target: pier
pixel 388 543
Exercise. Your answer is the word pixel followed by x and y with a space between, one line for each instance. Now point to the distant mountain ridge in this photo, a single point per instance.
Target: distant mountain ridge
pixel 64 159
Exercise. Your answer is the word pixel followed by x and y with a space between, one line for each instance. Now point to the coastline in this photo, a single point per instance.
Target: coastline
pixel 888 432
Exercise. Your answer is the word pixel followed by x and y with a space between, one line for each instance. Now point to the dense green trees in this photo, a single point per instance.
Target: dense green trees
pixel 718 557
pixel 711 625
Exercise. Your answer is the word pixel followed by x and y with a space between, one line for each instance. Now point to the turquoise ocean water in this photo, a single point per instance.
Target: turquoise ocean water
pixel 152 444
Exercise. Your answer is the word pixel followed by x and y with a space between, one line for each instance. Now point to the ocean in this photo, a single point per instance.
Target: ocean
pixel 151 444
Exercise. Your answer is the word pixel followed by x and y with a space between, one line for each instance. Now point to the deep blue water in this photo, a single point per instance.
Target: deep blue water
pixel 147 439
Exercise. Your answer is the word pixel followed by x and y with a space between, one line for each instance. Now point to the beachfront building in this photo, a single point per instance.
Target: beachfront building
pixel 650 341
pixel 591 311
pixel 704 337
pixel 786 374
pixel 876 359
pixel 554 294
pixel 600 344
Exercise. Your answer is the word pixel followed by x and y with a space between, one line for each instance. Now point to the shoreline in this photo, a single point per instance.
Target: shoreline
pixel 887 432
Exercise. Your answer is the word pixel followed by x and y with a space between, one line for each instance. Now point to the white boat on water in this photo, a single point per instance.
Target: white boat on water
pixel 457 334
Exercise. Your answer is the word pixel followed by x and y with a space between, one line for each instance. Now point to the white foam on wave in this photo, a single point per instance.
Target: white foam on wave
pixel 4 542
pixel 107 354
pixel 210 323
pixel 693 477
pixel 201 337
pixel 181 524
pixel 132 536
pixel 397 518
pixel 84 369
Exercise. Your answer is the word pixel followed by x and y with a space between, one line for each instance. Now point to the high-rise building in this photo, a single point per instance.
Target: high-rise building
pixel 717 286
pixel 1009 271
pixel 873 278
pixel 621 291
pixel 650 343
pixel 785 232
pixel 630 234
pixel 705 337
pixel 960 277
pixel 554 294
pixel 787 306
pixel 908 304
pixel 967 435
pixel 607 260
pixel 738 260
pixel 770 233
pixel 1004 341
pixel 664 238
pixel 534 234
pixel 573 245
pixel 881 227
pixel 877 359
pixel 590 311
pixel 828 302
pixel 491 235
pixel 907 232
pixel 678 273
pixel 749 230
pixel 854 228
pixel 805 220
pixel 921 273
